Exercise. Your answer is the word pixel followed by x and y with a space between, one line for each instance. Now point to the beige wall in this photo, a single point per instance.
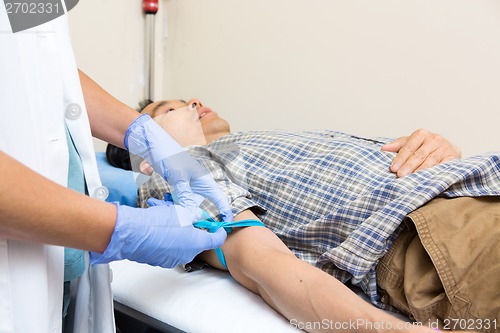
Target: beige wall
pixel 109 43
pixel 376 68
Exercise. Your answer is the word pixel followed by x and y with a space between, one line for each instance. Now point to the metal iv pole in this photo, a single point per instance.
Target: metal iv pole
pixel 150 8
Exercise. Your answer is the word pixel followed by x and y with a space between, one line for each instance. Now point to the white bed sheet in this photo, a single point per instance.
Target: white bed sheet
pixel 204 301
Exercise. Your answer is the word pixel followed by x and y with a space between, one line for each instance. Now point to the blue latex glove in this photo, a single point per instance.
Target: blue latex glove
pixel 145 138
pixel 160 236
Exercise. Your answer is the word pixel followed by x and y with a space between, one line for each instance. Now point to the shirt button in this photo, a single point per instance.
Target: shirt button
pixel 101 193
pixel 73 111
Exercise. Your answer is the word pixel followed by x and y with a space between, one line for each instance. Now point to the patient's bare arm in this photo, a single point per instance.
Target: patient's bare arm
pixel 261 262
pixel 421 150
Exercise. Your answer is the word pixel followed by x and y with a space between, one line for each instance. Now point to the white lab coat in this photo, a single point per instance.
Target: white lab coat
pixel 40 92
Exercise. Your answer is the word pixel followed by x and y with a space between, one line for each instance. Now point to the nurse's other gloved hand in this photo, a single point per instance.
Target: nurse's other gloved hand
pixel 145 138
pixel 160 236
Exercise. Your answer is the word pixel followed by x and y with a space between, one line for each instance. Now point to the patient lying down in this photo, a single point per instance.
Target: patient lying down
pixel 340 208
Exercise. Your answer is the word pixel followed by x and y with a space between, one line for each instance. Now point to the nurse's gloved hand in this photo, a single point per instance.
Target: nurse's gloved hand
pixel 148 140
pixel 160 236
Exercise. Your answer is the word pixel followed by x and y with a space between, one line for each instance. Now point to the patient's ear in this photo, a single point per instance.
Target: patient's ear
pixel 145 168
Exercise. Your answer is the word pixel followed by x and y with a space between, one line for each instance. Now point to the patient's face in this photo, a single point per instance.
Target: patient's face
pixel 189 123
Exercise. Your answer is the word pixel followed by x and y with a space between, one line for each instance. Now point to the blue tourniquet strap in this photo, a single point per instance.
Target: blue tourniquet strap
pixel 212 226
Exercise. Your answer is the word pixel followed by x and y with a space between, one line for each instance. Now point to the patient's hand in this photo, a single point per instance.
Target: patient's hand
pixel 421 150
pixel 146 168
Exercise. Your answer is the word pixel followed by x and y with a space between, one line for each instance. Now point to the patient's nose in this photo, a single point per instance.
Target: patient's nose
pixel 195 103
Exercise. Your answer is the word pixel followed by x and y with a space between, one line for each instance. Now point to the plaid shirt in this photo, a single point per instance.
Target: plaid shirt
pixel 329 196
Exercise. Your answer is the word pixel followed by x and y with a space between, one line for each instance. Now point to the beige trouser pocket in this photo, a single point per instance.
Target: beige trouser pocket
pixel 444 267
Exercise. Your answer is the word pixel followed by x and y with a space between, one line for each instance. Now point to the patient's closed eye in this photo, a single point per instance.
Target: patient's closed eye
pixel 163 112
pixel 168 110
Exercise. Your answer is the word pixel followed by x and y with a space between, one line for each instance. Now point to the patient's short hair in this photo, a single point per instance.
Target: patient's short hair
pixel 119 157
pixel 143 104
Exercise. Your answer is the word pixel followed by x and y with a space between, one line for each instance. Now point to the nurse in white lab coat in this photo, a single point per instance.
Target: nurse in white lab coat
pixel 41 96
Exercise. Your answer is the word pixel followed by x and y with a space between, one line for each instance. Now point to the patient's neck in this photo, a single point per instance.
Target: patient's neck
pixel 211 137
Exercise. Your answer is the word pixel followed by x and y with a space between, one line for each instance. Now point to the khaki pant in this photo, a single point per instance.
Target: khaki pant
pixel 444 267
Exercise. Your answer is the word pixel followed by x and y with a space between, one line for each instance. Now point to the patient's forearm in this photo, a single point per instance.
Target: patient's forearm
pixel 258 260
pixel 35 209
